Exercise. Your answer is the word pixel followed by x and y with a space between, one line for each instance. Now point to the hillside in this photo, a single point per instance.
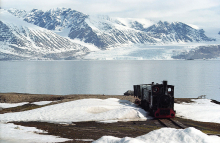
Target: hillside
pixel 21 40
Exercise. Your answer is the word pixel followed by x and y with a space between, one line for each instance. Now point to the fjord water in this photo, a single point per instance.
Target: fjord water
pixel 191 78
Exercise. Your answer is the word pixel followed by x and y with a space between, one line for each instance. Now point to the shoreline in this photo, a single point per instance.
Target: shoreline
pixel 26 97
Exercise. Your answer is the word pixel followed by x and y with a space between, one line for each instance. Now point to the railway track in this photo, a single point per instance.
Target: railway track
pixel 172 123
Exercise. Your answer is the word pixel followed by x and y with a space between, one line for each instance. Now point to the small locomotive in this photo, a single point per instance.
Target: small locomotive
pixel 158 99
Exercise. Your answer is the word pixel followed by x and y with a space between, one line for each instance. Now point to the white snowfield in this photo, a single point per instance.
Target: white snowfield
pixel 10 133
pixel 200 110
pixel 42 102
pixel 165 135
pixel 10 105
pixel 110 110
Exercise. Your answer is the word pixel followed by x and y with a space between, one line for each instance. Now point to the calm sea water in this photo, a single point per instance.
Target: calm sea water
pixel 190 78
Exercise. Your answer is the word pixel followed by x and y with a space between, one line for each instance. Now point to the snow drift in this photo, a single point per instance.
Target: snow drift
pixel 200 110
pixel 165 135
pixel 108 110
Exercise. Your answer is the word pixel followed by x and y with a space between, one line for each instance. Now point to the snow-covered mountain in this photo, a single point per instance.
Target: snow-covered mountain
pixel 22 40
pixel 105 32
pixel 102 31
pixel 176 32
pixel 63 33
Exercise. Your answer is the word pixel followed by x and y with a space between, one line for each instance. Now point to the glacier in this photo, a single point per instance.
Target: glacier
pixel 148 52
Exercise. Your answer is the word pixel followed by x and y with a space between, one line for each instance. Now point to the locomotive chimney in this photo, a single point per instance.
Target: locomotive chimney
pixel 165 83
pixel 165 87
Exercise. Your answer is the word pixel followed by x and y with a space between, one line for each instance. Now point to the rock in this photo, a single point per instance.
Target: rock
pixel 129 92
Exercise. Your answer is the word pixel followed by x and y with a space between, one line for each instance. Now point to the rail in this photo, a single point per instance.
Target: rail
pixel 173 123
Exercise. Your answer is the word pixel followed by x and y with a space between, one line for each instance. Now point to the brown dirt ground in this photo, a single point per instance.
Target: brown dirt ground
pixel 94 130
pixel 21 97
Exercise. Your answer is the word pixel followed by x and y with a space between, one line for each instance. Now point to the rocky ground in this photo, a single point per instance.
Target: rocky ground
pixel 94 130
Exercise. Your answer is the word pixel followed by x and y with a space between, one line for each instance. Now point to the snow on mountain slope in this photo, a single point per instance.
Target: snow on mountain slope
pixel 54 19
pixel 112 33
pixel 101 31
pixel 176 32
pixel 60 20
pixel 17 12
pixel 22 40
pixel 136 22
pixel 105 32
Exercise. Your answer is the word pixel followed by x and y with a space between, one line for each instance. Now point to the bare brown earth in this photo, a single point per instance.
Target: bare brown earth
pixel 94 130
pixel 23 97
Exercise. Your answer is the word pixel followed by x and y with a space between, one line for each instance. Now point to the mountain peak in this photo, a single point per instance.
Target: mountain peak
pixel 17 12
pixel 104 31
pixel 163 23
pixel 176 31
pixel 54 19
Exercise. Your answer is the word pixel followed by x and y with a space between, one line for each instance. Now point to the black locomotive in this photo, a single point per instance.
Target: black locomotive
pixel 158 99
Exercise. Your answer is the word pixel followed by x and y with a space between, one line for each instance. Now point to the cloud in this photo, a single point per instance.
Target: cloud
pixel 193 11
pixel 164 7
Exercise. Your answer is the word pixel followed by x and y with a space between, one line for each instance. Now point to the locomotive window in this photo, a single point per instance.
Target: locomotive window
pixel 169 89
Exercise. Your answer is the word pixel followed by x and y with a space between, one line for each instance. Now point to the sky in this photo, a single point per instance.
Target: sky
pixel 203 13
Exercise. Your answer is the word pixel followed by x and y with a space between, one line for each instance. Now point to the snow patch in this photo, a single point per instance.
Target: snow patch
pixel 8 18
pixel 194 26
pixel 10 105
pixel 128 21
pixel 19 134
pixel 200 110
pixel 107 110
pixel 90 46
pixel 165 135
pixel 42 102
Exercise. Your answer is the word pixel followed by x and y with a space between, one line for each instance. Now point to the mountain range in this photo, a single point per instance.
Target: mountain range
pixel 52 34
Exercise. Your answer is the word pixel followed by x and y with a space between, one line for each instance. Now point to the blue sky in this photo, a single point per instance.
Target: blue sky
pixel 203 13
